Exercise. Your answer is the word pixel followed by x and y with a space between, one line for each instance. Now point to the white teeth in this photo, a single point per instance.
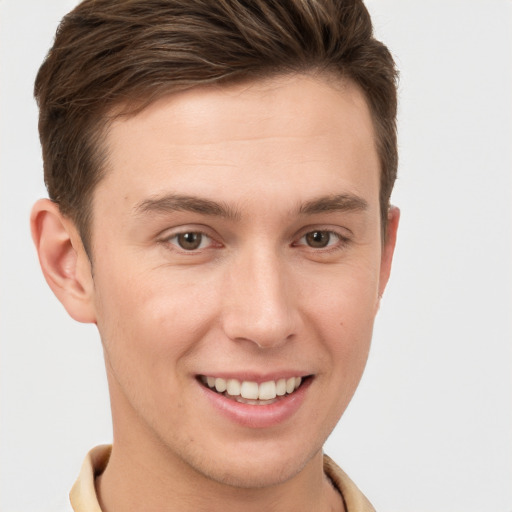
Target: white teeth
pixel 220 385
pixel 281 387
pixel 251 390
pixel 233 387
pixel 267 390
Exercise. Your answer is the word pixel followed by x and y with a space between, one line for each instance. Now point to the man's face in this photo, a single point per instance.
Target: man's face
pixel 236 237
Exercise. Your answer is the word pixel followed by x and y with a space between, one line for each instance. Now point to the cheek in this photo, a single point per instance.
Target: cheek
pixel 346 296
pixel 150 317
pixel 344 311
pixel 146 329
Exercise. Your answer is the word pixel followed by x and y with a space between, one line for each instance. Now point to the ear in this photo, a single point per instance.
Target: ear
pixel 388 248
pixel 64 262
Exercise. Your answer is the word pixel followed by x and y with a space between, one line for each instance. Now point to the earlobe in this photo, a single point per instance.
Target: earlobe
pixel 388 248
pixel 64 262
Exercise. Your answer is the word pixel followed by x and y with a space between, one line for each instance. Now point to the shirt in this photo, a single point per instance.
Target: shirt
pixel 84 499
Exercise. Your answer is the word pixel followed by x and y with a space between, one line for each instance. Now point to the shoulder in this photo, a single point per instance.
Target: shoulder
pixel 83 493
pixel 355 500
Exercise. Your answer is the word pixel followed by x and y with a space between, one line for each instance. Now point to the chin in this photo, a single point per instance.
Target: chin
pixel 255 468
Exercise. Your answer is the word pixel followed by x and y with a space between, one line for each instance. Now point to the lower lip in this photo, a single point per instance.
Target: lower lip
pixel 258 416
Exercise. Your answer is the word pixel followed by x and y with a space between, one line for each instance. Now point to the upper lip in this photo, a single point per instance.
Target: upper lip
pixel 256 377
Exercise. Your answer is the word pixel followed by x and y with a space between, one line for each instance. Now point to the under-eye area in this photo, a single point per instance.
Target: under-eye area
pixel 252 393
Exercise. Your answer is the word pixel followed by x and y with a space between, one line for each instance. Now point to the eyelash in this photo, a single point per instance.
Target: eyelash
pixel 339 244
pixel 175 236
pixel 340 241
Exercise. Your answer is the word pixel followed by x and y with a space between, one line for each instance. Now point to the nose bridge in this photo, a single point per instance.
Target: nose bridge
pixel 259 305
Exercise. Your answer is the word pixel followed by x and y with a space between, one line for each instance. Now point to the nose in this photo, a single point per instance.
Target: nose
pixel 259 305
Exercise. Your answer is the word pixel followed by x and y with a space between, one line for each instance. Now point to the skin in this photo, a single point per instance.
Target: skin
pixel 254 297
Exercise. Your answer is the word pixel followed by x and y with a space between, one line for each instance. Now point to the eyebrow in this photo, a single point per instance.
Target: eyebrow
pixel 175 202
pixel 335 203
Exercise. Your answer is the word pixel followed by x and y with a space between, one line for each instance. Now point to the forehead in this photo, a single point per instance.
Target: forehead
pixel 269 106
pixel 229 142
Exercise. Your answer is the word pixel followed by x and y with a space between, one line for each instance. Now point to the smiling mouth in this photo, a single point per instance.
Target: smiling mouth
pixel 252 393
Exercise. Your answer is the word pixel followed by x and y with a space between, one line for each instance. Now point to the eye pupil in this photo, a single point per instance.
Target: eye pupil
pixel 318 239
pixel 190 241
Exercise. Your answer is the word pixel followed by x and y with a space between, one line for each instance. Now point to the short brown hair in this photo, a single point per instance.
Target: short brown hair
pixel 109 53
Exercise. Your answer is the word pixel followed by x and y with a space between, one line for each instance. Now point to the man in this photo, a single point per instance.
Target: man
pixel 219 176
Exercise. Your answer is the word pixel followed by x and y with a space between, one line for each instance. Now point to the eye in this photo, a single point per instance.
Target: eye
pixel 320 239
pixel 190 240
pixel 323 239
